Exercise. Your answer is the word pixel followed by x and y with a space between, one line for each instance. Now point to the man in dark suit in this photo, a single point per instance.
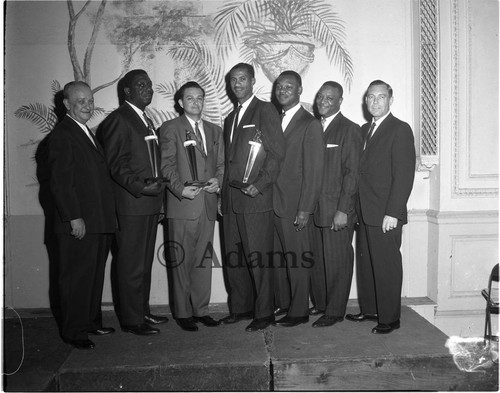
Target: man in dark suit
pixel 335 216
pixel 84 218
pixel 138 200
pixel 295 196
pixel 191 209
pixel 247 211
pixel 387 171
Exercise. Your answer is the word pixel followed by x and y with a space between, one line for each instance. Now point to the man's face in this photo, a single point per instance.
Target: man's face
pixel 192 102
pixel 378 101
pixel 288 91
pixel 328 101
pixel 241 84
pixel 80 103
pixel 140 93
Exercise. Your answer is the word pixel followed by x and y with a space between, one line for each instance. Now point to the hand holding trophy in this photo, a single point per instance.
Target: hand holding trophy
pixel 190 146
pixel 255 146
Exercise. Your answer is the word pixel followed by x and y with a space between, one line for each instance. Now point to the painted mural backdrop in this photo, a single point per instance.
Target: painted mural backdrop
pixel 273 35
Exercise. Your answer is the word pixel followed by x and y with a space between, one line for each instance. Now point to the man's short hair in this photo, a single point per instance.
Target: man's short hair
pixel 292 74
pixel 335 85
pixel 188 85
pixel 247 67
pixel 71 85
pixel 129 77
pixel 378 82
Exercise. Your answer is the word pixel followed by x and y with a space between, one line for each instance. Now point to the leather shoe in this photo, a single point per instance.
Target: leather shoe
pixel 141 330
pixel 102 331
pixel 291 321
pixel 207 320
pixel 236 317
pixel 315 311
pixel 155 319
pixel 280 311
pixel 259 324
pixel 385 328
pixel 361 317
pixel 82 344
pixel 327 320
pixel 187 324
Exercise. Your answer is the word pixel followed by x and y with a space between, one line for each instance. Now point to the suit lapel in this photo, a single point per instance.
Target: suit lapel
pixel 83 137
pixel 380 131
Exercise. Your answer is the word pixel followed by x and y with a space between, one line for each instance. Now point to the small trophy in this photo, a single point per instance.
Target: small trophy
pixel 152 144
pixel 190 146
pixel 255 145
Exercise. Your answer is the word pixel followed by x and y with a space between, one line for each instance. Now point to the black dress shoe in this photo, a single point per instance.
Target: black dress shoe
pixel 361 317
pixel 315 311
pixel 187 324
pixel 385 328
pixel 280 311
pixel 260 324
pixel 155 319
pixel 236 317
pixel 207 320
pixel 291 321
pixel 102 331
pixel 82 344
pixel 327 320
pixel 141 330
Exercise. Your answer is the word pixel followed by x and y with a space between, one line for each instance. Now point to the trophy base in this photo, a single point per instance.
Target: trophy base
pixel 238 184
pixel 196 183
pixel 151 180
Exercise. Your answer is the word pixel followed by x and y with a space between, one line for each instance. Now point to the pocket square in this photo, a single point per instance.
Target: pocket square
pixel 249 125
pixel 330 145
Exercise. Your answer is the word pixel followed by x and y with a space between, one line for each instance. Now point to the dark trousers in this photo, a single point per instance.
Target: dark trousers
pixel 192 265
pixel 248 241
pixel 338 256
pixel 317 280
pixel 81 279
pixel 379 272
pixel 136 241
pixel 298 252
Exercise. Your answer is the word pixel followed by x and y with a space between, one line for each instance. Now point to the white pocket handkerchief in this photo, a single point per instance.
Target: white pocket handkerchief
pixel 249 125
pixel 330 145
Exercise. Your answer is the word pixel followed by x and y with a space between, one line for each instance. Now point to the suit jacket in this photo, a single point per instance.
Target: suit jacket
pixel 175 167
pixel 122 135
pixel 263 116
pixel 342 139
pixel 80 181
pixel 299 181
pixel 387 171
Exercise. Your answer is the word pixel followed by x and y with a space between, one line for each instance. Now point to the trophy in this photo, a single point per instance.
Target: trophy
pixel 190 146
pixel 255 145
pixel 152 144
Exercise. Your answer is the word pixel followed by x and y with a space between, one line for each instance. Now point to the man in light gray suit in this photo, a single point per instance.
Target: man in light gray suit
pixel 191 209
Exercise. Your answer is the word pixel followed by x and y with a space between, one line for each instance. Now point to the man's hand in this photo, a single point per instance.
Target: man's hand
pixel 251 191
pixel 389 223
pixel 301 220
pixel 213 186
pixel 189 192
pixel 153 189
pixel 78 228
pixel 339 221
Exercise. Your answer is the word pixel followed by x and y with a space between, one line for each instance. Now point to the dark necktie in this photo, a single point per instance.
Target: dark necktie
pixel 198 137
pixel 149 122
pixel 92 137
pixel 235 124
pixel 369 135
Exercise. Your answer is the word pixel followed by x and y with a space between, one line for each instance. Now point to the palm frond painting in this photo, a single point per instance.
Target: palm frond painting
pixel 275 35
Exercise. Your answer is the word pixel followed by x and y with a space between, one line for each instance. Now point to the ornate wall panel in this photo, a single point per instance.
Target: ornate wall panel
pixel 475 98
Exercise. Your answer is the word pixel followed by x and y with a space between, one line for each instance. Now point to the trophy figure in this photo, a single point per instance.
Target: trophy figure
pixel 152 144
pixel 255 145
pixel 190 146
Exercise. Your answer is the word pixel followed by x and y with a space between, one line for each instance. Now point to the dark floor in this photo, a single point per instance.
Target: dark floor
pixel 342 357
